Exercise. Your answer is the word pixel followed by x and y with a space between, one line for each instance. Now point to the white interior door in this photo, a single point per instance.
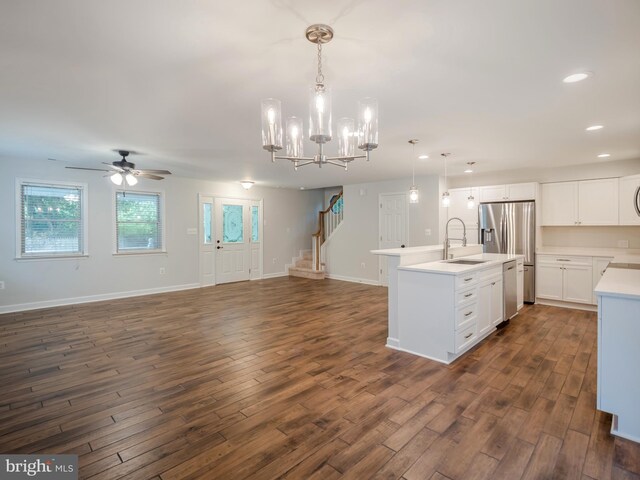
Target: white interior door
pixel 233 240
pixel 205 241
pixel 394 227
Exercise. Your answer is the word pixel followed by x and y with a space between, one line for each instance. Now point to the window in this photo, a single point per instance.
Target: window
pixel 255 233
pixel 52 219
pixel 138 222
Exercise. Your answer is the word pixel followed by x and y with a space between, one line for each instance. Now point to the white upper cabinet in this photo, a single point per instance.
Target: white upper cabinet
pixel 511 192
pixel 629 200
pixel 559 203
pixel 598 202
pixel 587 202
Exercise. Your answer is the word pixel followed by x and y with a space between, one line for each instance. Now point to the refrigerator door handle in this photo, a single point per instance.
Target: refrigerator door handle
pixel 636 201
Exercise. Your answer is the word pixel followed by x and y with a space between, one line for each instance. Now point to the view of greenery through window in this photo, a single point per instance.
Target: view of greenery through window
pixel 138 221
pixel 51 220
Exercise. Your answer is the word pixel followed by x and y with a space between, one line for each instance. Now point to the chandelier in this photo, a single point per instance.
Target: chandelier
pixel 320 122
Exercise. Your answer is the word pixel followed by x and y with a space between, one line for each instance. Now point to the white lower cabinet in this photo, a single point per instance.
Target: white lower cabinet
pixel 564 278
pixel 491 300
pixel 599 265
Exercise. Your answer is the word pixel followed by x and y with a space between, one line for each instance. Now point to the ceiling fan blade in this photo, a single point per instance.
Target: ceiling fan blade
pixel 159 172
pixel 83 168
pixel 148 175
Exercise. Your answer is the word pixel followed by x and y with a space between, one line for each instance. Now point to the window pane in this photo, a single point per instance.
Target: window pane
pixel 255 237
pixel 206 227
pixel 51 220
pixel 138 221
pixel 232 228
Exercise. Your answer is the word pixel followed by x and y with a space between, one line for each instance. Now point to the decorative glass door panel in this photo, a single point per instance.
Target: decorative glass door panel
pixel 232 244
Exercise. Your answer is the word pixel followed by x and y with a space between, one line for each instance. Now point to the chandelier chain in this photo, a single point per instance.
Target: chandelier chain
pixel 319 76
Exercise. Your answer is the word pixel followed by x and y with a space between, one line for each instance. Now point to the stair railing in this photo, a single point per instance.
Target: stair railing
pixel 328 221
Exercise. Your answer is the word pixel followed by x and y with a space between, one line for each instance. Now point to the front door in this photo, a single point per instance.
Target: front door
pixel 394 228
pixel 233 240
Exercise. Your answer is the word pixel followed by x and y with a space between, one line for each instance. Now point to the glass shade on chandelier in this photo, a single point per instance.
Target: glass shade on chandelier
pixel 446 199
pixel 320 127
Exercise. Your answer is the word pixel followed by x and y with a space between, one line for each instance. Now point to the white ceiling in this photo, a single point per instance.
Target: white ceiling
pixel 181 82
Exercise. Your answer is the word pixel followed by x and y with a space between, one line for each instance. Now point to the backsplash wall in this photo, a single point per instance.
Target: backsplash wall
pixel 602 237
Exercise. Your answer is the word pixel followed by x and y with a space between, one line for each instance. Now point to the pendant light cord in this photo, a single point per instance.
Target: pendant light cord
pixel 320 75
pixel 413 164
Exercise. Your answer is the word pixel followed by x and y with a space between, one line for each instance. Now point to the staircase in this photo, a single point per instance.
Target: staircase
pixel 310 265
pixel 303 267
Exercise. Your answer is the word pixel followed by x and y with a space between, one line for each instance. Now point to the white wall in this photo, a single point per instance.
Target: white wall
pixel 350 245
pixel 289 219
pixel 602 237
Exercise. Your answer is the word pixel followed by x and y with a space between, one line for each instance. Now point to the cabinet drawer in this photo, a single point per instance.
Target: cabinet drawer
pixel 466 296
pixel 465 338
pixel 564 259
pixel 466 315
pixel 466 280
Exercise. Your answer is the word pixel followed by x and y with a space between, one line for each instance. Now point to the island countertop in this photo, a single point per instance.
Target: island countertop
pixel 446 267
pixel 619 282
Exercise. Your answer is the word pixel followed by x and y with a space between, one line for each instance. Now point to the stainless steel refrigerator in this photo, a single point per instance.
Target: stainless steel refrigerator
pixel 510 227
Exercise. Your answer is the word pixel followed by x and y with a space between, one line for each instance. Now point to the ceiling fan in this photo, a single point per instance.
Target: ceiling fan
pixel 125 170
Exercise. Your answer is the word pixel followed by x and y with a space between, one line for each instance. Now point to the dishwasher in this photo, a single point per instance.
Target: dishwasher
pixel 510 282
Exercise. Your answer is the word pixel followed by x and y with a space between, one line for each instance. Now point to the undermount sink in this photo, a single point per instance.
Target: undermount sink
pixel 466 262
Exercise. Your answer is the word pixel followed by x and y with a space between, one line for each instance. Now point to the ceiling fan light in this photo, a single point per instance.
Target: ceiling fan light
pixel 116 178
pixel 131 179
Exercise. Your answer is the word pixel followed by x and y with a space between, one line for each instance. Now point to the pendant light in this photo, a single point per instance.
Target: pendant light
pixel 446 200
pixel 471 202
pixel 414 193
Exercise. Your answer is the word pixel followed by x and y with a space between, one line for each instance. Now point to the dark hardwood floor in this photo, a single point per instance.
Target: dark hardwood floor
pixel 290 378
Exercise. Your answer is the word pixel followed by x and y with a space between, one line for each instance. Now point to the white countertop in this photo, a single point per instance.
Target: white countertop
pixel 448 268
pixel 619 282
pixel 587 251
pixel 399 252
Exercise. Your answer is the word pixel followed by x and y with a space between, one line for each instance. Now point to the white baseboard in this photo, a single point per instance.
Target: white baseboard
pixel 558 303
pixel 393 342
pixel 353 279
pixel 21 307
pixel 274 275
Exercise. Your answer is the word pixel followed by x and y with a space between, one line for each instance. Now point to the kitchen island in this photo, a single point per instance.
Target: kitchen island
pixel 448 306
pixel 397 257
pixel 618 294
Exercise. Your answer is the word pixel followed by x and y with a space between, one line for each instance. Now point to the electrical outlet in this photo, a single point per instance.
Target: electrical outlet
pixel 623 243
pixel 275 260
pixel 427 232
pixel 363 265
pixel 162 271
pixel 1 285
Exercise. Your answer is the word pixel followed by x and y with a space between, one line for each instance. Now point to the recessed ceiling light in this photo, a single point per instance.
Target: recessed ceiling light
pixel 576 77
pixel 594 127
pixel 423 157
pixel 301 188
pixel 604 155
pixel 468 170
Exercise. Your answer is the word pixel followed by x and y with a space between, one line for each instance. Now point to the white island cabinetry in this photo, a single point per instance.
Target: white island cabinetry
pixel 618 293
pixel 443 312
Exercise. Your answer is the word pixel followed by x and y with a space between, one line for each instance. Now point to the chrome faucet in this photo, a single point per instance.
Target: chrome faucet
pixel 447 240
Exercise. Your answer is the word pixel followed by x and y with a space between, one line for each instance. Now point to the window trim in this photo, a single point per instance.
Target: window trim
pixel 84 218
pixel 114 229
